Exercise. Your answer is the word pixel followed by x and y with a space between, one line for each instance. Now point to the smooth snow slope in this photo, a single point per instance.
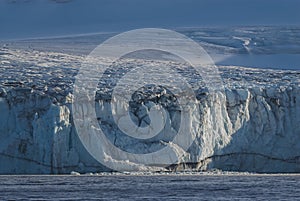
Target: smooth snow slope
pixel 276 47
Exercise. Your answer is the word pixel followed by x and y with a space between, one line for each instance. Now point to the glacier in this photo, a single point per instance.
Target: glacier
pixel 253 125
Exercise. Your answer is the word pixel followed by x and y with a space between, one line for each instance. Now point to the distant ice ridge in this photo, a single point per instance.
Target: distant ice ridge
pixel 212 172
pixel 253 126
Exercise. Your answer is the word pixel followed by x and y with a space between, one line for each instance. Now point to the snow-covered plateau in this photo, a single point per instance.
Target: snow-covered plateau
pixel 252 125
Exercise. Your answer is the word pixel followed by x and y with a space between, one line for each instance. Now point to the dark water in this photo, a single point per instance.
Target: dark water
pixel 193 187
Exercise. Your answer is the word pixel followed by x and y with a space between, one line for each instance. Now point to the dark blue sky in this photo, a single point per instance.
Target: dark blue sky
pixel 46 18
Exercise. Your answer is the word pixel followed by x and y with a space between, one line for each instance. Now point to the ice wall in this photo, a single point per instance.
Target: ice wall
pixel 248 129
pixel 253 125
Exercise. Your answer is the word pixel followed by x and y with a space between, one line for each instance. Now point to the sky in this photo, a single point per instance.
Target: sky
pixel 42 18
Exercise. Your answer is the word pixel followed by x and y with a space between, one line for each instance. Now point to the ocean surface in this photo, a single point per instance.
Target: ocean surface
pixel 157 187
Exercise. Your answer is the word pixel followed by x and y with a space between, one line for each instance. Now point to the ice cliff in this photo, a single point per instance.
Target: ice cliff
pixel 252 126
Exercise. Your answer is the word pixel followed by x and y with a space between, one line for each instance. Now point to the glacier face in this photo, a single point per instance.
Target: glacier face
pixel 251 126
